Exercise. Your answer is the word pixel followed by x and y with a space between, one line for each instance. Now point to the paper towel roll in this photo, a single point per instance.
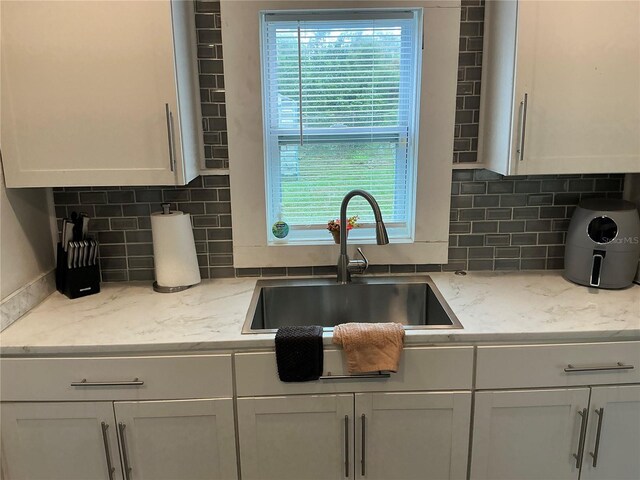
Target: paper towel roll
pixel 174 250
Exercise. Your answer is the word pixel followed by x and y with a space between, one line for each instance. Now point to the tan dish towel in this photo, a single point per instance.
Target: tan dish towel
pixel 370 347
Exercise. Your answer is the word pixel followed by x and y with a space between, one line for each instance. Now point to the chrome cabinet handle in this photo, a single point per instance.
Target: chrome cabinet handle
pixel 346 446
pixel 598 368
pixel 125 457
pixel 583 431
pixel 363 455
pixel 172 150
pixel 127 383
pixel 596 447
pixel 107 453
pixel 523 126
pixel 356 377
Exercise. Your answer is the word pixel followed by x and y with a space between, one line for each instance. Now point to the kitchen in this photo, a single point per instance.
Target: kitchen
pixel 488 220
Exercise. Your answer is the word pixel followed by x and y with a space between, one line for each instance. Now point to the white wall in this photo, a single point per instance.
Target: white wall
pixel 26 250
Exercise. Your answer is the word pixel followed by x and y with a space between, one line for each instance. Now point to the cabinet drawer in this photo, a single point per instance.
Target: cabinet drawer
pixel 438 368
pixel 544 365
pixel 165 377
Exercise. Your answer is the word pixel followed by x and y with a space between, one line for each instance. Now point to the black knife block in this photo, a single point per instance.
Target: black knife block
pixel 76 282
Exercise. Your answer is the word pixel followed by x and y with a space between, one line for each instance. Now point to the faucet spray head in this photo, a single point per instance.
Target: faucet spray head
pixel 381 234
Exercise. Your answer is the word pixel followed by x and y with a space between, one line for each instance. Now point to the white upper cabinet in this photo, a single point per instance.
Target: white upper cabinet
pixel 99 93
pixel 561 87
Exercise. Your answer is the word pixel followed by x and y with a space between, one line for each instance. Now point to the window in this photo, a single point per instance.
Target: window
pixel 265 141
pixel 340 111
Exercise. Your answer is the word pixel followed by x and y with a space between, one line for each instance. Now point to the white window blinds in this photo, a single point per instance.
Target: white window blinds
pixel 340 94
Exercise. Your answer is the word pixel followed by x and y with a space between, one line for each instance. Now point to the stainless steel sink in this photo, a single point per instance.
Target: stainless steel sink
pixel 412 301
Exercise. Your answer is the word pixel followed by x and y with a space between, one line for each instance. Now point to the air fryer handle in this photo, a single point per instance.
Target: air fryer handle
pixel 596 267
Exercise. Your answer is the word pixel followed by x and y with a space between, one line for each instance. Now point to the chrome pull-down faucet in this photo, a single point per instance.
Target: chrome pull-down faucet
pixel 345 266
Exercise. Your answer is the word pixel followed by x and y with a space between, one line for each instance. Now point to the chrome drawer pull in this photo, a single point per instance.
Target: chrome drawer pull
pixel 172 148
pixel 346 446
pixel 596 448
pixel 131 383
pixel 583 433
pixel 125 456
pixel 356 377
pixel 107 453
pixel 598 368
pixel 363 441
pixel 523 126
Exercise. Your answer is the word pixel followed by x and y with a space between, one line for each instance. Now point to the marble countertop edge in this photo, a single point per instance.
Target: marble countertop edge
pixel 262 342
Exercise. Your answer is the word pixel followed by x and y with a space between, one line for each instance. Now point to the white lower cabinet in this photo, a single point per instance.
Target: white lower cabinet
pixel 59 441
pixel 385 436
pixel 92 423
pixel 578 419
pixel 526 435
pixel 612 448
pixel 181 439
pixel 175 439
pixel 296 437
pixel 587 433
pixel 408 436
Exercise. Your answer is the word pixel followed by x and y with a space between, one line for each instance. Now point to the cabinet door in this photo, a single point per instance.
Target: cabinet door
pixel 412 435
pixel 185 439
pixel 85 87
pixel 296 437
pixel 59 441
pixel 612 450
pixel 577 62
pixel 526 435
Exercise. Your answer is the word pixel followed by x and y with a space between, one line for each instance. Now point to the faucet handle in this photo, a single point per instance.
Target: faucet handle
pixel 358 266
pixel 364 259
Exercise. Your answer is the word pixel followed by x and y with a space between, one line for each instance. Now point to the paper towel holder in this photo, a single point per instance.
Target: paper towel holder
pixel 166 210
pixel 161 289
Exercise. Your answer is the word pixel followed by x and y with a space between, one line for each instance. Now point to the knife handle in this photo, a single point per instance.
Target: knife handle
pixel 70 250
pixel 85 225
pixel 82 262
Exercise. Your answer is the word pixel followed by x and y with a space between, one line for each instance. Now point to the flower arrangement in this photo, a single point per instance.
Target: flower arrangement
pixel 334 227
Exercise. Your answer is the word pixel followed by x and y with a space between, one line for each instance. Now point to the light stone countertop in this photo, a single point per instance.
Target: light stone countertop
pixel 493 308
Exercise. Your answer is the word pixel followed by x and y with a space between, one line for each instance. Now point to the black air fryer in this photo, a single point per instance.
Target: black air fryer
pixel 603 243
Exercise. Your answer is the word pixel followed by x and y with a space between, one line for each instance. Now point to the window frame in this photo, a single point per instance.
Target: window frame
pixel 311 234
pixel 241 34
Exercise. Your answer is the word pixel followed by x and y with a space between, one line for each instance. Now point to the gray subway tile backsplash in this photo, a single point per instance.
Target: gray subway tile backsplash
pixel 496 223
pixel 506 264
pixel 524 239
pixel 526 213
pixel 507 252
pixel 499 214
pixel 533 252
pixel 532 264
pixel 497 240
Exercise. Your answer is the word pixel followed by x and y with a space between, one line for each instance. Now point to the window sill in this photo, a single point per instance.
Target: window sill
pixel 305 255
pixel 329 242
